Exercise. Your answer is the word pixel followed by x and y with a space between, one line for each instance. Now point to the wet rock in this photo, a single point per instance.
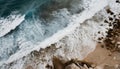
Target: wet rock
pixel 113 34
pixel 109 11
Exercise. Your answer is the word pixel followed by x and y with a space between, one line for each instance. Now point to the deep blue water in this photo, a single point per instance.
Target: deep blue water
pixel 27 7
pixel 34 7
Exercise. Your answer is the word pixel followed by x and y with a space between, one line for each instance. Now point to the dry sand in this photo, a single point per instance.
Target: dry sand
pixel 102 58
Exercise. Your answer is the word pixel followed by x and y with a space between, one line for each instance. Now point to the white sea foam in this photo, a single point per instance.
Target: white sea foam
pixel 10 23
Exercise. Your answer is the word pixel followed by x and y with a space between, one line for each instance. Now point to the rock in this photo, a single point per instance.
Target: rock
pixel 72 66
pixel 29 67
pixel 57 63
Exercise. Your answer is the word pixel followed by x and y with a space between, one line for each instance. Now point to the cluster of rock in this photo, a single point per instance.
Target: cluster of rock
pixel 72 64
pixel 112 40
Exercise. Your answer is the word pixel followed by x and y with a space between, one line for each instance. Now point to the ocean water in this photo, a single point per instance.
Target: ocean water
pixel 28 25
